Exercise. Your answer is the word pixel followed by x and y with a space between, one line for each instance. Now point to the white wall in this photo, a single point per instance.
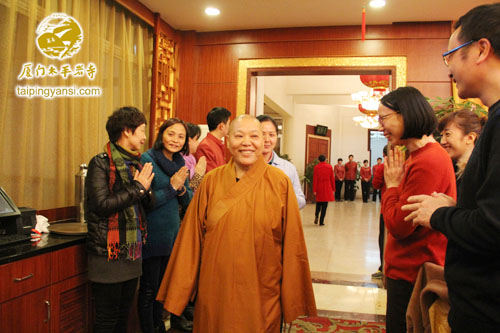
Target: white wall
pixel 313 100
pixel 275 88
pixel 347 137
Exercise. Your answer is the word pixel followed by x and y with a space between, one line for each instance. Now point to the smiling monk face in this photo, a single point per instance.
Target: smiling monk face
pixel 245 140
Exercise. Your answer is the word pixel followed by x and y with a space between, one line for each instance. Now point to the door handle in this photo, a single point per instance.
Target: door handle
pixel 23 278
pixel 47 303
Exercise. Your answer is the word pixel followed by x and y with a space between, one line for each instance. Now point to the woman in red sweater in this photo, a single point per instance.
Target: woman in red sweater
pixel 407 119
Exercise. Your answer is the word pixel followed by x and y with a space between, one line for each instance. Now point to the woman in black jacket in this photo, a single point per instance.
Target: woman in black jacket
pixel 117 190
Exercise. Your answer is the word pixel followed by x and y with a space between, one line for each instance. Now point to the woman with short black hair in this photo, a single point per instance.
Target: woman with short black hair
pixel 407 119
pixel 116 193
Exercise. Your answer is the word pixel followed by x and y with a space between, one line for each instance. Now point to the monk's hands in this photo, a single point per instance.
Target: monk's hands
pixel 178 179
pixel 394 168
pixel 145 176
pixel 423 206
pixel 201 166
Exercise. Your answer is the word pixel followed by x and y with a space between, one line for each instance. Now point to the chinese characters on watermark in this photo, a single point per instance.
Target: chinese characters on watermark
pixel 29 71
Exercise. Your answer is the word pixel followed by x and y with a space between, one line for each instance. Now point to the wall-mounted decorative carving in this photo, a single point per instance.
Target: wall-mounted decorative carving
pixel 166 80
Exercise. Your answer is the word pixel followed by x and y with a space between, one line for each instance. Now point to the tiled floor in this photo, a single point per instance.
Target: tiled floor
pixel 343 254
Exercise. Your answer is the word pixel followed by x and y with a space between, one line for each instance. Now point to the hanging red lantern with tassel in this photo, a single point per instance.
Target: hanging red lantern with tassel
pixel 368 102
pixel 363 24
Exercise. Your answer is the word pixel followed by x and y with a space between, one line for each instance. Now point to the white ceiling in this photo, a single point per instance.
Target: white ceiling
pixel 261 14
pixel 311 89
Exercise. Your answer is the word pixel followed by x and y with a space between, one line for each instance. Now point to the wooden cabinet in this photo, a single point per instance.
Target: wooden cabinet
pixel 21 277
pixel 28 313
pixel 70 304
pixel 45 293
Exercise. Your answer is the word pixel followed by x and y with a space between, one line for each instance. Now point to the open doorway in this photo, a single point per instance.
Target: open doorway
pixel 376 144
pixel 301 103
pixel 296 110
pixel 345 249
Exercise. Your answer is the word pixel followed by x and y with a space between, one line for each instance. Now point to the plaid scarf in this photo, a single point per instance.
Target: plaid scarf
pixel 125 236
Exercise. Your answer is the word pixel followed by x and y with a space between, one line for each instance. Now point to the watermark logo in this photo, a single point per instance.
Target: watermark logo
pixel 59 36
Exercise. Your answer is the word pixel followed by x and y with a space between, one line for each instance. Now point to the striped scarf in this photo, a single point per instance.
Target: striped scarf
pixel 125 236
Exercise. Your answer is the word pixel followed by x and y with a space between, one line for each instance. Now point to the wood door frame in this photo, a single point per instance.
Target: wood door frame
pixel 317 137
pixel 310 134
pixel 249 69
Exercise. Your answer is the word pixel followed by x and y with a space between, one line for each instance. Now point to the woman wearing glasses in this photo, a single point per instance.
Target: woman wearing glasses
pixel 407 119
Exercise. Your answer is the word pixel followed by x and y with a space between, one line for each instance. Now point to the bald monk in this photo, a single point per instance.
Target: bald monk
pixel 240 250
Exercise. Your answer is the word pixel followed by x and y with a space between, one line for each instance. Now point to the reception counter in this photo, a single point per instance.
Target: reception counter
pixel 44 285
pixel 48 243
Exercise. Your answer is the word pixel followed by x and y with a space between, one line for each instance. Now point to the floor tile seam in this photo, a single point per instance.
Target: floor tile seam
pixel 368 285
pixel 352 315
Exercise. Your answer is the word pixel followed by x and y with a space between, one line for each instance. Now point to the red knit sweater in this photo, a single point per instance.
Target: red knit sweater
pixel 427 170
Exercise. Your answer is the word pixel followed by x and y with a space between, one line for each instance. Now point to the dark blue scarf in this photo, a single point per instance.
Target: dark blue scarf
pixel 167 166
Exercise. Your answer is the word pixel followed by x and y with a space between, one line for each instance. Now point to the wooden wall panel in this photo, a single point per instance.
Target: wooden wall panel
pixel 59 214
pixel 188 70
pixel 433 89
pixel 212 58
pixel 139 10
pixel 425 62
pixel 394 31
pixel 207 96
pixel 223 63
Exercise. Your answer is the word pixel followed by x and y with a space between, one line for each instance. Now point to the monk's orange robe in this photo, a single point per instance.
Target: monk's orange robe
pixel 241 250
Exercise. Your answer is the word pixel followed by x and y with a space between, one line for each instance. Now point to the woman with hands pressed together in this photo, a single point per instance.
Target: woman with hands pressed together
pixel 171 190
pixel 460 131
pixel 117 192
pixel 406 118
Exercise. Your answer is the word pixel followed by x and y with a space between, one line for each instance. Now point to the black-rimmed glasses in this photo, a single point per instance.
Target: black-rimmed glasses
pixel 447 54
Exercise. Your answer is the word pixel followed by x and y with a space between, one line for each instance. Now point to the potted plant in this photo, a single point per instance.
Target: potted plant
pixel 308 179
pixel 358 179
pixel 443 106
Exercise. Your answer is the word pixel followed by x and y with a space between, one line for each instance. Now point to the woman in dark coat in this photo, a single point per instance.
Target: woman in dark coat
pixel 116 193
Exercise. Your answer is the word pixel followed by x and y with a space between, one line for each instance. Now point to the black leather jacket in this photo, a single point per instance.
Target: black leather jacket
pixel 100 203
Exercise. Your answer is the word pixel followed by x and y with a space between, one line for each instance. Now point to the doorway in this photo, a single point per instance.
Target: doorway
pixel 248 99
pixel 249 70
pixel 316 145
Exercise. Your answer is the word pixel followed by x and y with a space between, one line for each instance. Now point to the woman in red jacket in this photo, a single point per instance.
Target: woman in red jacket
pixel 323 188
pixel 406 118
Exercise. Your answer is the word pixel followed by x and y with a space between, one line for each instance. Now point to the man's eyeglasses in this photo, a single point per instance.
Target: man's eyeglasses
pixel 447 54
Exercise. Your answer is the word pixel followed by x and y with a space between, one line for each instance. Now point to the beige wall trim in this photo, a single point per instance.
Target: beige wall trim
pixel 363 63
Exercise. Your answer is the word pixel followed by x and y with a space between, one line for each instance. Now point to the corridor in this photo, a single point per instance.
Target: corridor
pixel 343 254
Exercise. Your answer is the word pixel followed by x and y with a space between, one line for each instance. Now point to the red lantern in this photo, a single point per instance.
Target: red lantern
pixel 376 82
pixel 370 113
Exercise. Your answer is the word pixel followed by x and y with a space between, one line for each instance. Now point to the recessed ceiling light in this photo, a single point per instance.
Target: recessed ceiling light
pixel 377 3
pixel 212 11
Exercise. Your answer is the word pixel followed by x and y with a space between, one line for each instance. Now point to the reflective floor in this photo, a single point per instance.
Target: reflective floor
pixel 343 254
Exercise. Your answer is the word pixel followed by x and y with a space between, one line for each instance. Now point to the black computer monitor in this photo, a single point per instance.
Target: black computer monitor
pixel 7 206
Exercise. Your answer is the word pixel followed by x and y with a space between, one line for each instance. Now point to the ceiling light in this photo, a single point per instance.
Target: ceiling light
pixel 211 11
pixel 366 121
pixel 377 3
